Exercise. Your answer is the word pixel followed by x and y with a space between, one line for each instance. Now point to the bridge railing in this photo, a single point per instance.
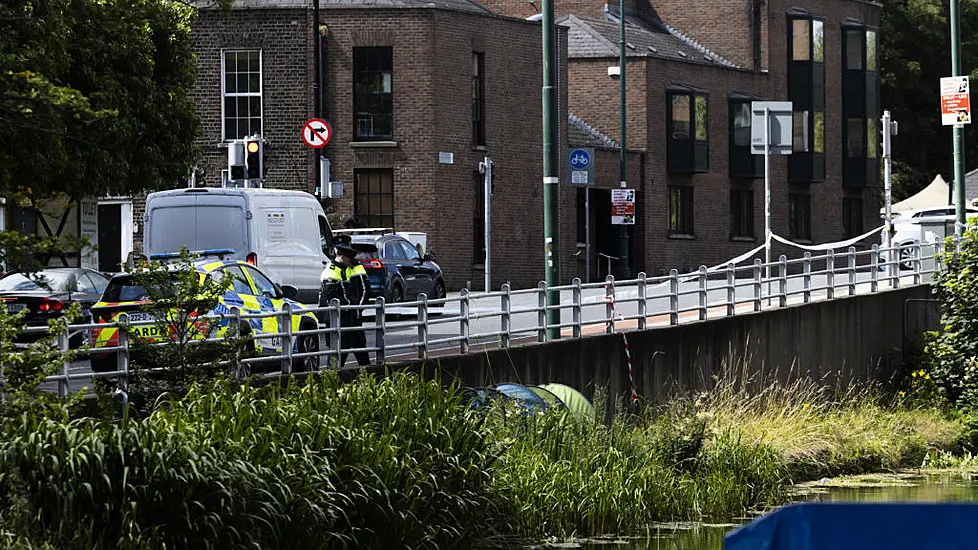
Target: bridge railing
pixel 427 328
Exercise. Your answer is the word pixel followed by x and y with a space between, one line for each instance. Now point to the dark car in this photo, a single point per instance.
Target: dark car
pixel 397 271
pixel 48 293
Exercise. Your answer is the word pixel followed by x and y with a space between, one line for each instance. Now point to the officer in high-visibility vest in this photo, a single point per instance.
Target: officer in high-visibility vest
pixel 345 279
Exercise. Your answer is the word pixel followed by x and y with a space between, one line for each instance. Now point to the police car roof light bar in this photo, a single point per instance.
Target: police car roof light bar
pixel 219 252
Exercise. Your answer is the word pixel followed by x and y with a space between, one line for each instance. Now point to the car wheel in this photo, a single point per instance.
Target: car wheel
pixel 439 290
pixel 308 343
pixel 397 293
pixel 908 255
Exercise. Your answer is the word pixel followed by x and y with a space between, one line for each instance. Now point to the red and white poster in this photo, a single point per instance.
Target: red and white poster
pixel 623 207
pixel 955 101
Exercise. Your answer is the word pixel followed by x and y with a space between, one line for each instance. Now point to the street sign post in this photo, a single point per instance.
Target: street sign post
pixel 770 132
pixel 316 133
pixel 623 207
pixel 955 101
pixel 580 164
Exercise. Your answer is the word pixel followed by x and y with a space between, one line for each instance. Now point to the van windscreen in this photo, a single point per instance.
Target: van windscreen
pixel 199 227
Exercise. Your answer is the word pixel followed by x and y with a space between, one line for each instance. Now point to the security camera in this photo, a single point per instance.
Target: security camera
pixel 614 72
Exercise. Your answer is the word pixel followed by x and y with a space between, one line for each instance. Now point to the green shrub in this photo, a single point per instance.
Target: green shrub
pixel 953 352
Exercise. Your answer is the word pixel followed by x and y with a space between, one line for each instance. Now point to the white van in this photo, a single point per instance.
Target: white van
pixel 283 232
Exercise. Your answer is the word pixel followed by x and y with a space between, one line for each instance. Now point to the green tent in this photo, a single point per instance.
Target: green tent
pixel 576 403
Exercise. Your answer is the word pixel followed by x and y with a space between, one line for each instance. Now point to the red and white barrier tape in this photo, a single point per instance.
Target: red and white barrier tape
pixel 628 351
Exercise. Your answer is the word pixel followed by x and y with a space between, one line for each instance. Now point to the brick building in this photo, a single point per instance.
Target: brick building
pixel 417 94
pixel 693 69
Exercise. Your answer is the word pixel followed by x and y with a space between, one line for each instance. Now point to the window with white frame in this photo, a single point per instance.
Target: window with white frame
pixel 241 89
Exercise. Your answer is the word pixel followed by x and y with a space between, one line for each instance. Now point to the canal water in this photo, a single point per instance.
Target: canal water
pixel 931 487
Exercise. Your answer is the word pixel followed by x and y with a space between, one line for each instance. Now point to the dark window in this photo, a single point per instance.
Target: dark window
pixel 741 213
pixel 688 132
pixel 852 217
pixel 680 210
pixel 800 217
pixel 806 91
pixel 373 197
pixel 478 218
pixel 743 164
pixel 860 107
pixel 373 98
pixel 854 49
pixel 242 91
pixel 478 99
pixel 854 137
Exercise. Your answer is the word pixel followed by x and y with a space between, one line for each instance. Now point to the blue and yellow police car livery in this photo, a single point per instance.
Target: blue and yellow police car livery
pixel 251 292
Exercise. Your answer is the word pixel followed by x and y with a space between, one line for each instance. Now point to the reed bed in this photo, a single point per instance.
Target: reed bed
pixel 400 462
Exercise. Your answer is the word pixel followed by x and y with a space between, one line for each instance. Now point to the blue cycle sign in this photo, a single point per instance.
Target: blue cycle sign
pixel 580 159
pixel 580 164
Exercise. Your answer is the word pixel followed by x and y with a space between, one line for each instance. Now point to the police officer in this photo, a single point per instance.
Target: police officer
pixel 345 279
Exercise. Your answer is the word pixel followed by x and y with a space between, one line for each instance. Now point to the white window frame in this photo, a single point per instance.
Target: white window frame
pixel 225 94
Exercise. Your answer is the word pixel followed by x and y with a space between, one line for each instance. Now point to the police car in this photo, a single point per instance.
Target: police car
pixel 250 292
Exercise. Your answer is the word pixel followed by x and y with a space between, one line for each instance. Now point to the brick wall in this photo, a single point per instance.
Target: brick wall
pixel 595 97
pixel 283 36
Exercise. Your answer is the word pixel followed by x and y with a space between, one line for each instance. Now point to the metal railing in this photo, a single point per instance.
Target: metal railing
pixel 500 319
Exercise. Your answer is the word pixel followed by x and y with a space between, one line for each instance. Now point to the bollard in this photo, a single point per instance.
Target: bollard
pixel 852 270
pixel 807 279
pixel 609 304
pixel 642 306
pixel 542 312
pixel 702 292
pixel 506 318
pixel 380 330
pixel 731 290
pixel 757 285
pixel 422 326
pixel 285 327
pixel 673 297
pixel 782 281
pixel 576 309
pixel 336 334
pixel 830 274
pixel 463 321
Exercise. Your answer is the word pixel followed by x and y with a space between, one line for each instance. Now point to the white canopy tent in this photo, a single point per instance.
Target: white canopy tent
pixel 931 196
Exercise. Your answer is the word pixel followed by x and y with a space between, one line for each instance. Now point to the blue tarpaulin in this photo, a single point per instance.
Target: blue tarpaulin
pixel 855 526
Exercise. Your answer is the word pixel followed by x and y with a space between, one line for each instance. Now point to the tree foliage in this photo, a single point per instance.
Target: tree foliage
pixel 953 352
pixel 915 53
pixel 94 96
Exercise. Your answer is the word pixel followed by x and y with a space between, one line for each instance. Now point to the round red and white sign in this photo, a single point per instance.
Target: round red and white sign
pixel 316 133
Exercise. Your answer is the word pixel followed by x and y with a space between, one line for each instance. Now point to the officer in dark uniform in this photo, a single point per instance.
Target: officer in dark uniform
pixel 344 279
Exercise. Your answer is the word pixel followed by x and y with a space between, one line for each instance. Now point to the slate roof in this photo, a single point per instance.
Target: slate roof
pixel 590 37
pixel 581 134
pixel 455 5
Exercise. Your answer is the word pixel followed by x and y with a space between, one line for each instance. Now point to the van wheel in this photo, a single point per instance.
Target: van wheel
pixel 308 343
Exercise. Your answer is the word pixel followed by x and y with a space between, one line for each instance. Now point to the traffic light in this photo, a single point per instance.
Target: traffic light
pixel 236 160
pixel 253 159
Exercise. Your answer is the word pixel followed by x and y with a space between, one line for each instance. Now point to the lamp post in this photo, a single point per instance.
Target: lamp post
pixel 624 270
pixel 550 170
pixel 959 194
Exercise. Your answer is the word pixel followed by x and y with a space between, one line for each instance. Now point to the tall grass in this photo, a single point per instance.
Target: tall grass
pixel 399 462
pixel 375 464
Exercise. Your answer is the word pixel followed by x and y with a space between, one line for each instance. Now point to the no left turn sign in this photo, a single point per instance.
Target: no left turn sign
pixel 316 133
